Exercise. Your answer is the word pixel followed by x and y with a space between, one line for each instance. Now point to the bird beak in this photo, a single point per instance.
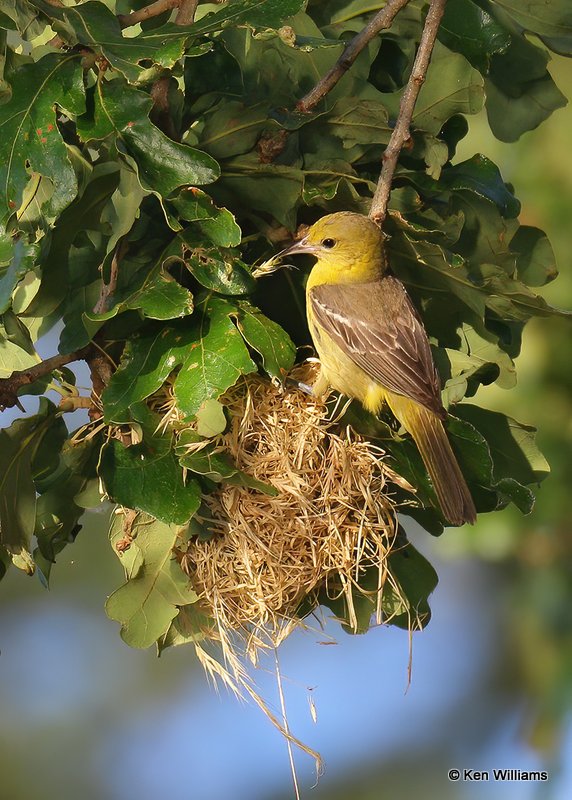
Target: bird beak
pixel 274 263
pixel 301 246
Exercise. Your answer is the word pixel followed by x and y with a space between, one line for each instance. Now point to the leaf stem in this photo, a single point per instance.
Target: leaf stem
pixel 379 22
pixel 401 132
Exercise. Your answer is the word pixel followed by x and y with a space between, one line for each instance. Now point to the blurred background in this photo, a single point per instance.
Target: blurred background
pixel 83 715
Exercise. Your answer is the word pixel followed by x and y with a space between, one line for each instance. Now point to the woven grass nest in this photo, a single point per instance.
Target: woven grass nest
pixel 331 520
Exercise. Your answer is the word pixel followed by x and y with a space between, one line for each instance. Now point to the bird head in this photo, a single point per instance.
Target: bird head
pixel 350 246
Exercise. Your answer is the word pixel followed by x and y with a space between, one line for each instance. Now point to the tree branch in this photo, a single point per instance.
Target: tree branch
pixel 152 10
pixel 186 12
pixel 382 20
pixel 9 386
pixel 401 132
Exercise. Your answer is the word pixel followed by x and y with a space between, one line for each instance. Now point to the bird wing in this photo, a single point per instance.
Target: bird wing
pixel 377 326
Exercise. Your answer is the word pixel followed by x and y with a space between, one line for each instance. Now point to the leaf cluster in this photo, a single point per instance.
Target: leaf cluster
pixel 143 170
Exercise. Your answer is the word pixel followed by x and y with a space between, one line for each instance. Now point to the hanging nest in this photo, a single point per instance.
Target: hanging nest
pixel 269 559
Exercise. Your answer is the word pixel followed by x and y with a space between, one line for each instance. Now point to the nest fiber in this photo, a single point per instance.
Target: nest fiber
pixel 330 522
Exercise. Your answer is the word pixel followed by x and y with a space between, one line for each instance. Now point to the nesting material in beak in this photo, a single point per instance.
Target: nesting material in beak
pixel 275 262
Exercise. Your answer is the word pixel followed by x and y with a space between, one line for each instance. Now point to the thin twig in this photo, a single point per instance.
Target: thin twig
pixel 401 133
pixel 9 386
pixel 152 10
pixel 108 289
pixel 382 20
pixel 186 12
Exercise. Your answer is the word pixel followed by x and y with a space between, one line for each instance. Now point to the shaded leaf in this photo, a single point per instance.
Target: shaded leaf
pixel 417 579
pixel 16 260
pixel 13 357
pixel 18 445
pixel 468 29
pixel 205 458
pixel 512 444
pixel 189 625
pixel 551 21
pixel 520 90
pixel 480 175
pixel 83 214
pixel 536 264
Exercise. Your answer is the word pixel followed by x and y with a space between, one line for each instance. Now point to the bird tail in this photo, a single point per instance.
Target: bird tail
pixel 430 437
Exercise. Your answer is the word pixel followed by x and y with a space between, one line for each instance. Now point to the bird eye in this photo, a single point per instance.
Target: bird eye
pixel 329 243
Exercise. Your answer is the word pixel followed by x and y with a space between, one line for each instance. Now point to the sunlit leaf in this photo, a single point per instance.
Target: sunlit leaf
pixel 163 164
pixel 215 361
pixel 30 140
pixel 156 585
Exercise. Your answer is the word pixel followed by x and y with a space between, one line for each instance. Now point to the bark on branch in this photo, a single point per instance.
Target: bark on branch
pixel 401 132
pixel 152 10
pixel 9 386
pixel 379 22
pixel 186 12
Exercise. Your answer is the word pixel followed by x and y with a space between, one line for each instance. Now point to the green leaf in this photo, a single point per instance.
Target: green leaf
pixel 520 90
pixel 452 87
pixel 552 21
pixel 160 297
pixel 206 458
pixel 404 598
pixel 277 349
pixel 470 30
pixel 93 24
pixel 13 357
pixel 357 121
pixel 232 128
pixel 82 215
pixel 480 175
pixel 217 224
pixel 417 580
pixel 215 268
pixel 18 445
pixel 30 140
pixel 188 626
pixel 61 472
pixel 512 444
pixel 16 260
pixel 203 457
pixel 156 585
pixel 145 365
pixel 216 359
pixel 251 13
pixel 270 188
pixel 536 264
pixel 6 23
pixel 162 164
pixel 211 419
pixel 147 477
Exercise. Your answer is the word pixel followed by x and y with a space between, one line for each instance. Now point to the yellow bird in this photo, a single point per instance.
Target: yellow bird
pixel 373 346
